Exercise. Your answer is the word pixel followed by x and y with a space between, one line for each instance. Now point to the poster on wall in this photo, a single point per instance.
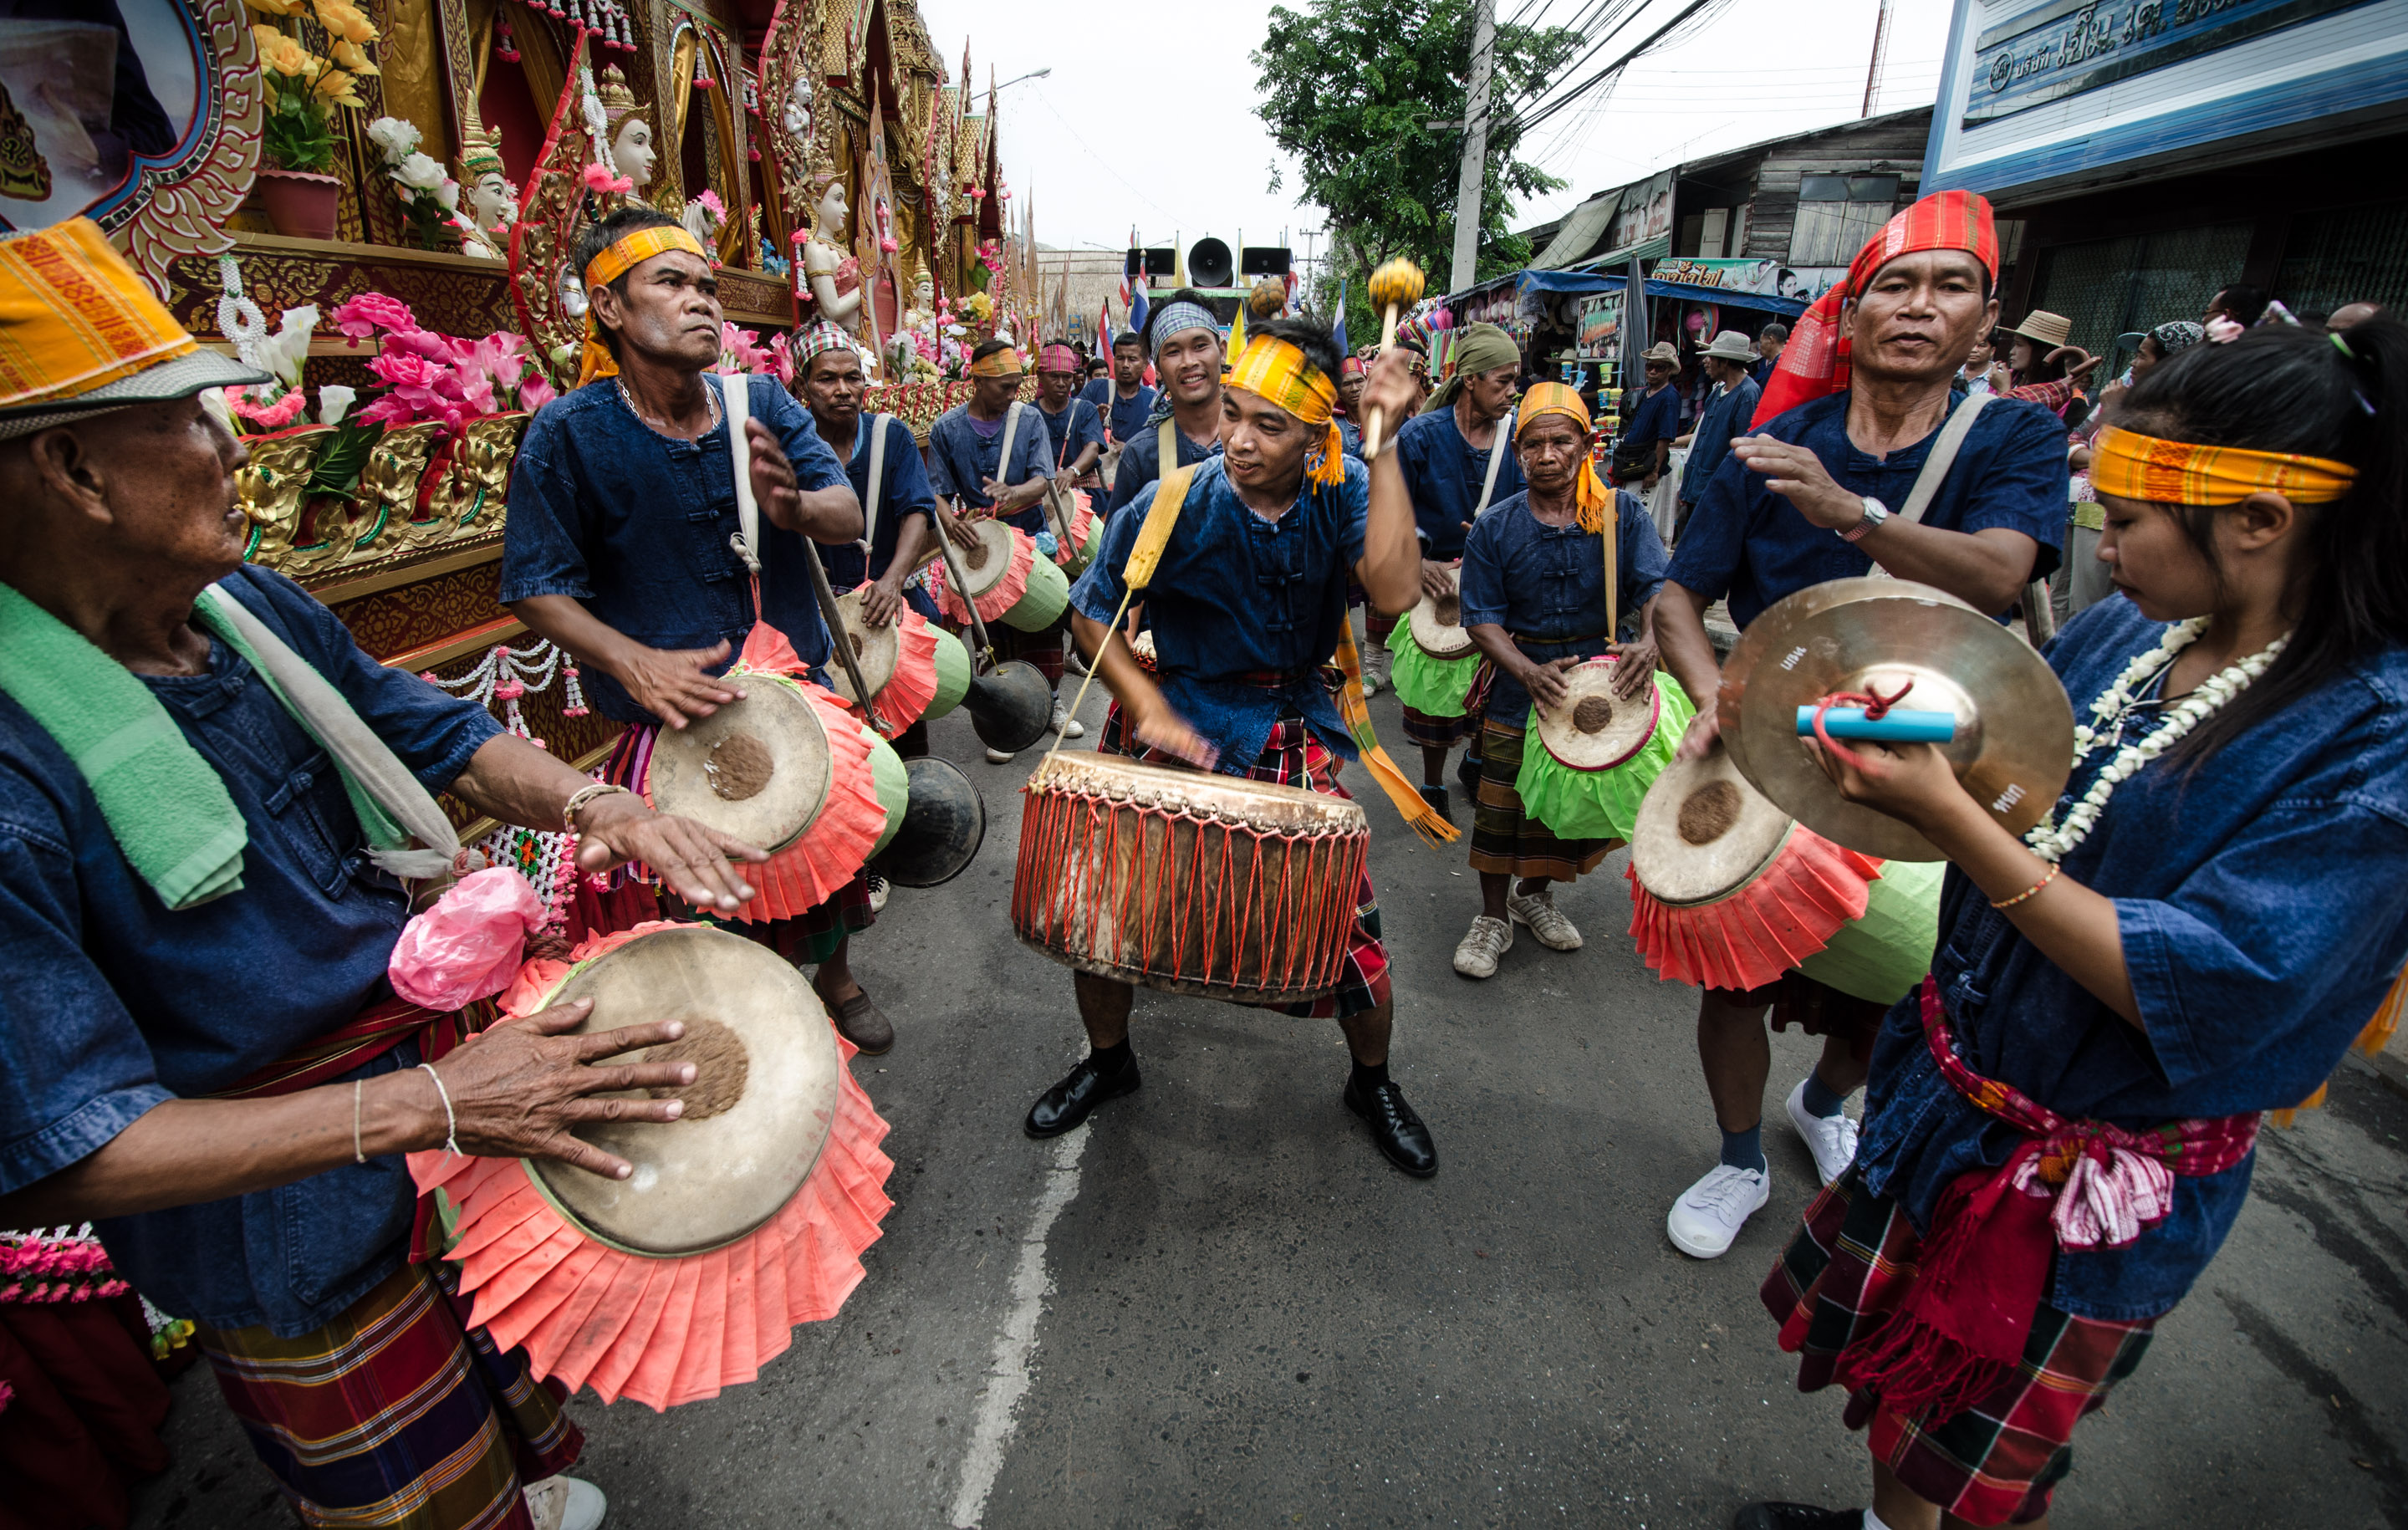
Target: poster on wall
pixel 1598 335
pixel 1646 212
pixel 1770 279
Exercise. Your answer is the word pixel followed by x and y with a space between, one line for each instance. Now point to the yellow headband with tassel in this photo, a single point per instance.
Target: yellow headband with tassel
pixel 1278 373
pixel 616 260
pixel 1589 491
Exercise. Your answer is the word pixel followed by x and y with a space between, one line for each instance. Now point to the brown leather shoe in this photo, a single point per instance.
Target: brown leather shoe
pixel 859 1021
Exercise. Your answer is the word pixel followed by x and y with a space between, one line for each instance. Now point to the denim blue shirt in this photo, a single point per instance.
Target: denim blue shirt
pixel 1235 595
pixel 903 491
pixel 1071 432
pixel 1350 438
pixel 1445 473
pixel 1656 417
pixel 1750 544
pixel 2263 906
pixel 110 1003
pixel 960 459
pixel 1724 418
pixel 1141 461
pixel 636 525
pixel 1541 581
pixel 1127 415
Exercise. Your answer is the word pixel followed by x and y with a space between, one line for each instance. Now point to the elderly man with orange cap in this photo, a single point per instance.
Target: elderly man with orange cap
pixel 1833 484
pixel 209 797
pixel 622 543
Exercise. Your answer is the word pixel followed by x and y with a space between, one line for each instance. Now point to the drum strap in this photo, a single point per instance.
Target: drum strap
pixel 1011 432
pixel 877 485
pixel 747 540
pixel 1496 459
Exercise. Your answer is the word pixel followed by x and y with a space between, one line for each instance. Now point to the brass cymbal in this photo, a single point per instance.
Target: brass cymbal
pixel 2014 747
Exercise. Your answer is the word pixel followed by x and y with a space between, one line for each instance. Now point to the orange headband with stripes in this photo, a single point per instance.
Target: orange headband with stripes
pixel 1278 373
pixel 616 260
pixel 2130 465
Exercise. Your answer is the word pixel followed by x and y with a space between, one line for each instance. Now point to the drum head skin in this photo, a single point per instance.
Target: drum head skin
pixel 876 649
pixel 1595 729
pixel 1438 625
pixel 1703 832
pixel 758 768
pixel 985 566
pixel 756 1115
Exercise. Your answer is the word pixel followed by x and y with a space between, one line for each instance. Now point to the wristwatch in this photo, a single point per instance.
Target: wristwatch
pixel 1875 513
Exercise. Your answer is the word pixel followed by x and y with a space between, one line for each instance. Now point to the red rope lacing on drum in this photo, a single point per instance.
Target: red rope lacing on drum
pixel 1876 706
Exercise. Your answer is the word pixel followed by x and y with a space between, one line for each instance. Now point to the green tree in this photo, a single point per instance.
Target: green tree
pixel 1348 89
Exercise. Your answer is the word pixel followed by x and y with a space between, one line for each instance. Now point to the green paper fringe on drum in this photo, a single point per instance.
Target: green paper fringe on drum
pixel 1433 686
pixel 894 785
pixel 1600 804
pixel 1047 597
pixel 1882 956
pixel 952 674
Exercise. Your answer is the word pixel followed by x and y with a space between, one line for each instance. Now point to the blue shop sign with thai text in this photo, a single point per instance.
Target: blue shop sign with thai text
pixel 2065 47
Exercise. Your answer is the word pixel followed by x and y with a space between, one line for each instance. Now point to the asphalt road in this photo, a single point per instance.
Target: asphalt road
pixel 1215 1305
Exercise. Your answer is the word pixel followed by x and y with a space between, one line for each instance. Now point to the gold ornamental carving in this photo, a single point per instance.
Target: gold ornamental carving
pixel 269 486
pixel 468 500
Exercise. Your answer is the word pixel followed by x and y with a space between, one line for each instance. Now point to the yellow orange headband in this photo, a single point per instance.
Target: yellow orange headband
pixel 1002 363
pixel 616 260
pixel 2130 465
pixel 1278 373
pixel 1589 492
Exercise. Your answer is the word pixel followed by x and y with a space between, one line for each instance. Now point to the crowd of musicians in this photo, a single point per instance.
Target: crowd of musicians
pixel 207 794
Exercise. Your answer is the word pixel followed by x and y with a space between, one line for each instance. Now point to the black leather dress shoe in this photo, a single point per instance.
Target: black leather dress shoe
pixel 1466 775
pixel 1436 797
pixel 1796 1517
pixel 1085 1087
pixel 1399 1134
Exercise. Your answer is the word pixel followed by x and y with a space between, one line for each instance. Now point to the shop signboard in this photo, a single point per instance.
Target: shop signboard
pixel 1770 279
pixel 2048 51
pixel 1598 337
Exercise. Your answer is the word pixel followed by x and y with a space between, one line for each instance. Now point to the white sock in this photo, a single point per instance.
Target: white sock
pixel 1874 1521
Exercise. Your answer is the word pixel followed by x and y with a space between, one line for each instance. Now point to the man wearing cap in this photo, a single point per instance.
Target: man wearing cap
pixel 1841 437
pixel 1187 357
pixel 1124 398
pixel 1652 421
pixel 208 796
pixel 654 604
pixel 991 460
pixel 1458 459
pixel 1725 416
pixel 1247 602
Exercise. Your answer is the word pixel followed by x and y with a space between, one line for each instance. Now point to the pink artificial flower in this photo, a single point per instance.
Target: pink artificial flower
pixel 599 180
pixel 535 391
pixel 364 315
pixel 423 343
pixel 2222 329
pixel 886 242
pixel 404 368
pixel 275 416
pixel 781 359
pixel 710 199
pixel 387 410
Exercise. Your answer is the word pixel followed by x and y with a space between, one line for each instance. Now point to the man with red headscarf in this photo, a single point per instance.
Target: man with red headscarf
pixel 1821 492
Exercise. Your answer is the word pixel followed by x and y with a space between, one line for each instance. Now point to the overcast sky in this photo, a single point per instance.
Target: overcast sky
pixel 1150 116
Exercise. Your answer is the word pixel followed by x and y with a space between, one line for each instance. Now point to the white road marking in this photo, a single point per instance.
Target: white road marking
pixel 1008 1372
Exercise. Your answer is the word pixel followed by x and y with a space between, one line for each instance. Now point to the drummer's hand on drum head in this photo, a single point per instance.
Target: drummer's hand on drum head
pixel 957 527
pixel 1913 783
pixel 1435 584
pixel 676 685
pixel 1705 731
pixel 1545 683
pixel 695 861
pixel 1637 670
pixel 1156 724
pixel 881 603
pixel 517 1090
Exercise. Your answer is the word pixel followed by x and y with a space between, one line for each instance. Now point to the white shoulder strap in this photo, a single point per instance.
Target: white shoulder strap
pixel 1496 459
pixel 1944 455
pixel 877 484
pixel 1010 429
pixel 737 393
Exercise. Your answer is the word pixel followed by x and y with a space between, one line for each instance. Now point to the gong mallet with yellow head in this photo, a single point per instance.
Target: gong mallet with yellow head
pixel 1395 286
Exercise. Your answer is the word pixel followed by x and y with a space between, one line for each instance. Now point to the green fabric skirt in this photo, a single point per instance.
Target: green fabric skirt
pixel 1436 686
pixel 1602 804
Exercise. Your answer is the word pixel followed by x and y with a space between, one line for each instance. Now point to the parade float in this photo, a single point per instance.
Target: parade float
pixel 375 200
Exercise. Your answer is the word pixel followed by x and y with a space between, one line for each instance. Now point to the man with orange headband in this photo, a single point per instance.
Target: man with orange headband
pixel 618 547
pixel 1832 485
pixel 1247 603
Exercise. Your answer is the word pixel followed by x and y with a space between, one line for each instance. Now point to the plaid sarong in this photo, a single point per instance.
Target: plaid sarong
pixel 1840 1281
pixel 1506 839
pixel 1438 732
pixel 1291 756
pixel 397 1413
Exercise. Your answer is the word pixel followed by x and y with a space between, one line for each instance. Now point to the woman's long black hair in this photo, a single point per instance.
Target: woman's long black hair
pixel 2283 387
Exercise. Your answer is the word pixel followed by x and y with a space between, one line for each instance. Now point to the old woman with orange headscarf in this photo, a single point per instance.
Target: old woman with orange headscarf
pixel 1560 576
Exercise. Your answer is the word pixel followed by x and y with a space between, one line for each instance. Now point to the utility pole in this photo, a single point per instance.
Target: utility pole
pixel 1475 149
pixel 1874 70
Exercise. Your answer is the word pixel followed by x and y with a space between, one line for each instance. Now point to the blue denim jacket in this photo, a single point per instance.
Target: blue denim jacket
pixel 1723 420
pixel 960 459
pixel 1538 581
pixel 902 493
pixel 1444 474
pixel 110 1003
pixel 1748 543
pixel 1071 432
pixel 608 511
pixel 2263 906
pixel 1237 595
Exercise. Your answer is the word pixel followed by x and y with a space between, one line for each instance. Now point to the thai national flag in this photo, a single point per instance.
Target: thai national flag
pixel 1337 330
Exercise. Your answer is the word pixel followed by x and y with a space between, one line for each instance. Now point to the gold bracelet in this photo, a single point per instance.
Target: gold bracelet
pixel 579 798
pixel 2046 878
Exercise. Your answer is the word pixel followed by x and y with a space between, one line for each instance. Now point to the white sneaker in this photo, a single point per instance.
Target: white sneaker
pixel 1067 725
pixel 1476 953
pixel 1709 1213
pixel 1074 661
pixel 1547 922
pixel 878 892
pixel 1832 1140
pixel 997 756
pixel 566 1503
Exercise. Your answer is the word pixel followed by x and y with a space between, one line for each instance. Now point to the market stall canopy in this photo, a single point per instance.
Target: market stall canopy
pixel 1579 232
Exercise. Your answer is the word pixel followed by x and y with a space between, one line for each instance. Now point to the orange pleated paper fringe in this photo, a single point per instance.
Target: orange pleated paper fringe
pixel 1007 591
pixel 1749 938
pixel 1081 520
pixel 661 1331
pixel 913 684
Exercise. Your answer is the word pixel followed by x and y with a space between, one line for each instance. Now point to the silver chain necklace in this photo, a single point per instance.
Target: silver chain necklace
pixel 710 396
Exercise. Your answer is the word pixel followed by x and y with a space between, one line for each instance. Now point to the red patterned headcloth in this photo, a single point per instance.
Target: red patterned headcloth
pixel 1814 363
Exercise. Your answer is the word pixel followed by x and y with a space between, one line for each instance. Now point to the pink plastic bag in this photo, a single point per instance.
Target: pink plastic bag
pixel 469 944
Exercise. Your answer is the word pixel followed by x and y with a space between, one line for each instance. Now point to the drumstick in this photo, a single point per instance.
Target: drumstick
pixel 953 573
pixel 1395 286
pixel 838 639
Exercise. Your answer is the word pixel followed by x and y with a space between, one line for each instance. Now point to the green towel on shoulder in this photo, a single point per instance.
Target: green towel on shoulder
pixel 167 806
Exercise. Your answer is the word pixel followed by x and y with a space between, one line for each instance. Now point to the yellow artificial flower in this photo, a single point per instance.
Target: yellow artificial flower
pixel 346 21
pixel 335 89
pixel 281 55
pixel 352 56
pixel 277 8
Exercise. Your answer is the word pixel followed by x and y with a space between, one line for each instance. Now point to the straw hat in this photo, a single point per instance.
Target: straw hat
pixel 2045 329
pixel 1731 346
pixel 1662 352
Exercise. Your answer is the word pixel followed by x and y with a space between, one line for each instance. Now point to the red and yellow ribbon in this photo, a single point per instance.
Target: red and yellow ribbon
pixel 2130 465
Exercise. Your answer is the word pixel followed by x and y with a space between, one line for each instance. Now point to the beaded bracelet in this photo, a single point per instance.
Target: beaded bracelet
pixel 2046 878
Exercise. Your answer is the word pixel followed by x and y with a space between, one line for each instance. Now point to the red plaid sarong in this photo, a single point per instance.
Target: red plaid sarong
pixel 1291 756
pixel 397 1413
pixel 1843 1278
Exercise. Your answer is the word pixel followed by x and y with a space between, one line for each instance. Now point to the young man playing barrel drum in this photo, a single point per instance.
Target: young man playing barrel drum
pixel 1246 604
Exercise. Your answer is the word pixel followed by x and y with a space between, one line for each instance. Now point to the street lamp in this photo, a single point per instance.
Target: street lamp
pixel 1033 74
